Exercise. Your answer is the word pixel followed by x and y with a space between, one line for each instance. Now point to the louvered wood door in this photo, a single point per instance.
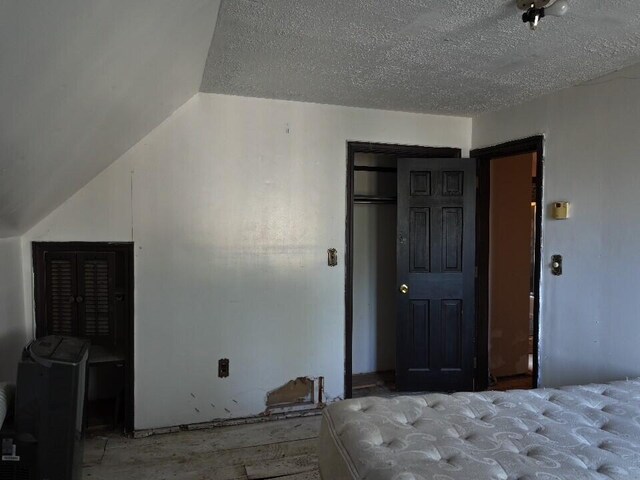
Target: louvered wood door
pixel 80 295
pixel 61 284
pixel 96 296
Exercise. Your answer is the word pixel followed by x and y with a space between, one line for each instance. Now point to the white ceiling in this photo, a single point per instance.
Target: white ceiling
pixel 437 56
pixel 81 82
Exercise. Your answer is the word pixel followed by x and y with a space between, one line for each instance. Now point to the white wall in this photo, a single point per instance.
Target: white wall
pixel 232 203
pixel 589 320
pixel 14 331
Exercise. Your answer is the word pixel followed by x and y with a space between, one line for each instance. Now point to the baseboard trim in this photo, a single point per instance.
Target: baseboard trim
pixel 229 422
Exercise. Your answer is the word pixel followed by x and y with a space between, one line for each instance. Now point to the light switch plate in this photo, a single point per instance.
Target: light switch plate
pixel 556 265
pixel 332 257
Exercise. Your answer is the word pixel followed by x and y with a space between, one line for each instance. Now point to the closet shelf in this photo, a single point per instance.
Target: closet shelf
pixel 365 168
pixel 374 199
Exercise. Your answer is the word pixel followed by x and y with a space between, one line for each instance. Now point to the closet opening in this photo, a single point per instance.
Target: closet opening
pixel 371 273
pixel 374 274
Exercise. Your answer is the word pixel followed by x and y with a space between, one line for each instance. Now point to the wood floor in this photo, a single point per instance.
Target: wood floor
pixel 284 449
pixel 381 384
pixel 519 382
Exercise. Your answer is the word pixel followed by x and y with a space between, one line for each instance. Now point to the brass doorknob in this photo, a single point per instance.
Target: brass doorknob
pixel 404 288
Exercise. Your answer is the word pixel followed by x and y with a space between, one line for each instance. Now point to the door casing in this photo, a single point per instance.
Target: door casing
pixel 399 151
pixel 483 156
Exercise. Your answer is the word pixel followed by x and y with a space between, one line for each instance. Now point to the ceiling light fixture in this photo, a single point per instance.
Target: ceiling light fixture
pixel 534 10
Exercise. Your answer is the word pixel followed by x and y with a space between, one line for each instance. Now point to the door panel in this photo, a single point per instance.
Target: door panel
pixel 96 272
pixel 420 233
pixel 452 239
pixel 421 324
pixel 451 314
pixel 80 296
pixel 436 260
pixel 61 309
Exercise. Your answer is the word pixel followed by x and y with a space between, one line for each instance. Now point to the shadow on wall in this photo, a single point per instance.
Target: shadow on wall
pixel 385 289
pixel 11 345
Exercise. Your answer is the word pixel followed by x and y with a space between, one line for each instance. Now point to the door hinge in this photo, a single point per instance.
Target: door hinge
pixel 475 362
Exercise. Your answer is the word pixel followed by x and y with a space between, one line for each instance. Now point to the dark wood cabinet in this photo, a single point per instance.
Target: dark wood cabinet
pixel 81 296
pixel 85 289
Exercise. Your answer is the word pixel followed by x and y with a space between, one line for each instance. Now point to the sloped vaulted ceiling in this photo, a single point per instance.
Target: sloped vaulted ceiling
pixel 81 81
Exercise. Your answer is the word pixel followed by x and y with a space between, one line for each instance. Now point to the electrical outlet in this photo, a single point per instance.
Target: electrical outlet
pixel 223 367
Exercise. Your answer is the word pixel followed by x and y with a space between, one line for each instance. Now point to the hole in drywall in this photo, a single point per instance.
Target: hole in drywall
pixel 294 392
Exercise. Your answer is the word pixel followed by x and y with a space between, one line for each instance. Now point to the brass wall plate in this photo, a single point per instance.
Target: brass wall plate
pixel 560 210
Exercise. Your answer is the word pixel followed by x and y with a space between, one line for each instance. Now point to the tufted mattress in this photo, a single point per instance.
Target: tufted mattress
pixel 582 432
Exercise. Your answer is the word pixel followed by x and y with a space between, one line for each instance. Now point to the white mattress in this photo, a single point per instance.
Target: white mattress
pixel 582 432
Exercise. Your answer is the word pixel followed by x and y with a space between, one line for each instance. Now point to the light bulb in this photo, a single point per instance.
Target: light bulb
pixel 558 9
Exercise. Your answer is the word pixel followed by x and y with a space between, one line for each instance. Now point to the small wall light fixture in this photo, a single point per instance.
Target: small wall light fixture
pixel 534 10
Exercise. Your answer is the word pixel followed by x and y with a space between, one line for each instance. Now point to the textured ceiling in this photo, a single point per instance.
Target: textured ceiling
pixel 440 56
pixel 81 82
